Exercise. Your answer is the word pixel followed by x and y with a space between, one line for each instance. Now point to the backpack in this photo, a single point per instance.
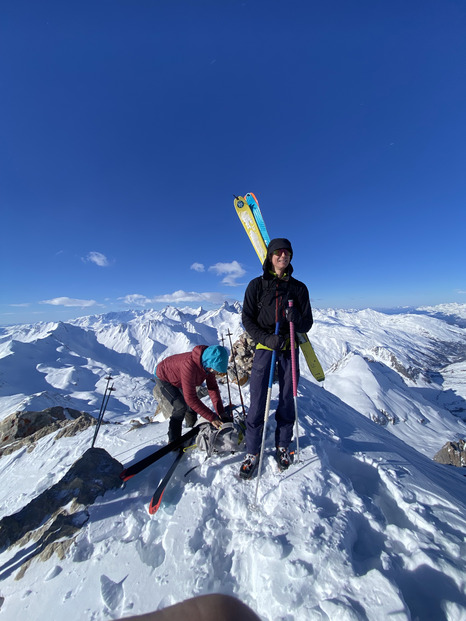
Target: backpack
pixel 225 440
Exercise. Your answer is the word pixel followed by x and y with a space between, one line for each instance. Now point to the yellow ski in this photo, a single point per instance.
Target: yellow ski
pixel 247 219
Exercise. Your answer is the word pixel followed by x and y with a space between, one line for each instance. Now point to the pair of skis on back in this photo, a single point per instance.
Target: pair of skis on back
pixel 249 213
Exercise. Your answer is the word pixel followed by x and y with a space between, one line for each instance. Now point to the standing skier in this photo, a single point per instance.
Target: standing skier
pixel 265 304
pixel 177 378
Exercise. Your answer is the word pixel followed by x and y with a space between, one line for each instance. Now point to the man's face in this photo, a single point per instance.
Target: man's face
pixel 280 259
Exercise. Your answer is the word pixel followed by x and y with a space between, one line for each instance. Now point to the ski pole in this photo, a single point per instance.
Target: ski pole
pixel 103 407
pixel 294 379
pixel 228 385
pixel 108 378
pixel 236 373
pixel 266 414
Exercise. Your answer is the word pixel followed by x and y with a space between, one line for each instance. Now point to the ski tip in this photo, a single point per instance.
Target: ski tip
pixel 154 506
pixel 251 199
pixel 124 476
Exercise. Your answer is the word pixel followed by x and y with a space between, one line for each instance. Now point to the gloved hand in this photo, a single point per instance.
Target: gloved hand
pixel 217 423
pixel 274 341
pixel 292 314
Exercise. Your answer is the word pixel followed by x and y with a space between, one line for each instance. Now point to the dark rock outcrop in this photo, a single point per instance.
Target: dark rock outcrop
pixel 26 428
pixel 452 454
pixel 45 517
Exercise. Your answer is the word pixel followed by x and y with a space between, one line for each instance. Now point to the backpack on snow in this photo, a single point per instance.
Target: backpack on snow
pixel 225 440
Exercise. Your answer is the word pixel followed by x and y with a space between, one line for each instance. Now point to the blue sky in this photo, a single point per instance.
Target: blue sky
pixel 126 128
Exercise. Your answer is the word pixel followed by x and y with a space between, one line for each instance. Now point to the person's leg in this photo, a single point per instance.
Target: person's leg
pixel 190 418
pixel 175 398
pixel 258 396
pixel 285 414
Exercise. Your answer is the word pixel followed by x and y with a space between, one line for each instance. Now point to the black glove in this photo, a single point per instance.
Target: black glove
pixel 292 314
pixel 274 341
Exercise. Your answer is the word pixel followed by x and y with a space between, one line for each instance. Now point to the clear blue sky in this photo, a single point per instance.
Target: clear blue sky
pixel 127 126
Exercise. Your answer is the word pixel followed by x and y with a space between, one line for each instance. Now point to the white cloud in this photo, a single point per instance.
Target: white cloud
pixel 198 267
pixel 98 258
pixel 25 305
pixel 174 298
pixel 231 272
pixel 135 299
pixel 190 296
pixel 69 302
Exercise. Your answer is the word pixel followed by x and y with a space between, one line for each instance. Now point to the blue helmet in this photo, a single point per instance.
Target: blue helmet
pixel 215 357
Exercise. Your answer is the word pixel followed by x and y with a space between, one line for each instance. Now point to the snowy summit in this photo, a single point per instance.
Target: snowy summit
pixel 367 526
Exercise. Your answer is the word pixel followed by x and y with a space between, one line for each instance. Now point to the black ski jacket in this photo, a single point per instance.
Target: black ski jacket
pixel 266 300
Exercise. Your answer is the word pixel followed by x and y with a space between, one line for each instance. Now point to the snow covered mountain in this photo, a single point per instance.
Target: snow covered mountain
pixel 366 526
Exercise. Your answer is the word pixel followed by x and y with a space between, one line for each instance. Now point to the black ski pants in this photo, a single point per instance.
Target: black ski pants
pixel 284 414
pixel 180 409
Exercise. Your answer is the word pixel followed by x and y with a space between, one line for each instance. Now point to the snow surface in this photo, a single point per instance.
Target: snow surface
pixel 366 526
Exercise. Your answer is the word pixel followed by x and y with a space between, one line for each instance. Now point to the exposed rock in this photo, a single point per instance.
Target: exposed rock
pixel 44 520
pixel 411 373
pixel 56 537
pixel 26 428
pixel 242 353
pixel 452 454
pixel 142 422
pixel 382 417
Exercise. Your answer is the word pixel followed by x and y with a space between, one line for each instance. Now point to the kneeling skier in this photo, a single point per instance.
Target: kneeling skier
pixel 179 375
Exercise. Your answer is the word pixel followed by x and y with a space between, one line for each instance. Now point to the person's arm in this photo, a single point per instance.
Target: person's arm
pixel 214 394
pixel 215 607
pixel 303 304
pixel 188 387
pixel 251 312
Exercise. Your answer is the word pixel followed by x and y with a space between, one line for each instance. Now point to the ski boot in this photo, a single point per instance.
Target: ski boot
pixel 249 465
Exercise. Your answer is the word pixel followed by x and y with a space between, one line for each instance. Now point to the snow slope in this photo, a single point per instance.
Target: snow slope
pixel 366 526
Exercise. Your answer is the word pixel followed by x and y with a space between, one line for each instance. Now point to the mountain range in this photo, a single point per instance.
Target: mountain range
pixel 366 526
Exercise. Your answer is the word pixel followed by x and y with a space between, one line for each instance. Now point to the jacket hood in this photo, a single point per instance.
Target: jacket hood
pixel 275 244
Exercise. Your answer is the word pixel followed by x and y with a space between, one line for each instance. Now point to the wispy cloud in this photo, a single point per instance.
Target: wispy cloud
pixel 231 272
pixel 135 299
pixel 98 258
pixel 190 296
pixel 176 297
pixel 25 305
pixel 64 301
pixel 198 267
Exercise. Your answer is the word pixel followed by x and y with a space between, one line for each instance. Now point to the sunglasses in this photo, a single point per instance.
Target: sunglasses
pixel 280 251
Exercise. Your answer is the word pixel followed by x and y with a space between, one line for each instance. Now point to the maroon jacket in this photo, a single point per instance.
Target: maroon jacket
pixel 185 371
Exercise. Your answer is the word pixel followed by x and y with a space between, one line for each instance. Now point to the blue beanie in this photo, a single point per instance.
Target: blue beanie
pixel 215 357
